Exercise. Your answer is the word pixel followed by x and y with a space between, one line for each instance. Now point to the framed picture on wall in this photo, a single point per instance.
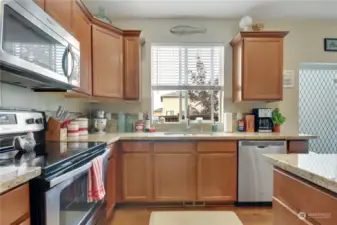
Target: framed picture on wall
pixel 330 44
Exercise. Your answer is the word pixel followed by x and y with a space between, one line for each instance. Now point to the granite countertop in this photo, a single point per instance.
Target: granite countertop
pixel 320 169
pixel 110 138
pixel 12 176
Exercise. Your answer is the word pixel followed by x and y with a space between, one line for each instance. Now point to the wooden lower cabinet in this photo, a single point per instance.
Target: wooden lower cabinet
pixel 137 185
pixel 298 195
pixel 25 222
pixel 284 215
pixel 217 177
pixel 14 206
pixel 174 177
pixel 179 171
pixel 111 185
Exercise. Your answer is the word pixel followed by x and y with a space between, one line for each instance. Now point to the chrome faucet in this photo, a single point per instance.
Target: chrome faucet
pixel 188 126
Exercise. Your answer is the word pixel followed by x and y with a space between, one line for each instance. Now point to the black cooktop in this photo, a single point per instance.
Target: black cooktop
pixel 54 156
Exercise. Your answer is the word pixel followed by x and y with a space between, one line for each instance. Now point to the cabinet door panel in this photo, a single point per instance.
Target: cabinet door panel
pixel 14 205
pixel 131 68
pixel 283 215
pixel 137 177
pixel 110 186
pixel 262 69
pixel 40 3
pixel 61 11
pixel 82 32
pixel 107 63
pixel 217 177
pixel 25 222
pixel 174 177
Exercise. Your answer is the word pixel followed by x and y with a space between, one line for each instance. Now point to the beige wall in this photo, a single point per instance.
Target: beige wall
pixel 303 44
pixel 17 97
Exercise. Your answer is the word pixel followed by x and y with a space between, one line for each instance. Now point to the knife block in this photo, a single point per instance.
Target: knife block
pixel 54 131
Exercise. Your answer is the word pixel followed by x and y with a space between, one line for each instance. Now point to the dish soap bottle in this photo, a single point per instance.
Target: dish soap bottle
pixel 147 123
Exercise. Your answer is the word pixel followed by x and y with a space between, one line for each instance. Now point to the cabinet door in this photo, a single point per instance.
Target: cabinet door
pixel 262 69
pixel 110 186
pixel 174 177
pixel 14 205
pixel 284 215
pixel 137 177
pixel 61 11
pixel 82 32
pixel 107 63
pixel 40 3
pixel 217 177
pixel 131 68
pixel 25 222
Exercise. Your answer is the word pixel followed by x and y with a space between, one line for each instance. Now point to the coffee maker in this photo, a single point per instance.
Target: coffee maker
pixel 263 120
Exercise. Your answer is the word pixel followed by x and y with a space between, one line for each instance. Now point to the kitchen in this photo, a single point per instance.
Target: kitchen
pixel 139 165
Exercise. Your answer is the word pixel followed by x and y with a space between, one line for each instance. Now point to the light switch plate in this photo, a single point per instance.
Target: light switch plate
pixel 288 78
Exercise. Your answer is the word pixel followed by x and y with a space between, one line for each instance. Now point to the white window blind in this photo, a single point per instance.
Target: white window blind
pixel 176 67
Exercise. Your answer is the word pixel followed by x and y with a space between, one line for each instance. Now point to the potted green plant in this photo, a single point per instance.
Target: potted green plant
pixel 278 119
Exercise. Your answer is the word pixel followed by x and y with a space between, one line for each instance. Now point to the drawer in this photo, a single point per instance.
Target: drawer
pixel 283 215
pixel 217 146
pixel 298 147
pixel 14 205
pixel 136 146
pixel 174 147
pixel 303 197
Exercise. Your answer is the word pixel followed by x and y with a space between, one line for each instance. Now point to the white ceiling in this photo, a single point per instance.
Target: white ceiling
pixel 226 9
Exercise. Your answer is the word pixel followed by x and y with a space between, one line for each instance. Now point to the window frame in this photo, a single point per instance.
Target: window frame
pixel 182 99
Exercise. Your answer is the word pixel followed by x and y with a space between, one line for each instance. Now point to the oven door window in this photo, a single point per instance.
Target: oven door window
pixel 74 205
pixel 23 39
pixel 67 203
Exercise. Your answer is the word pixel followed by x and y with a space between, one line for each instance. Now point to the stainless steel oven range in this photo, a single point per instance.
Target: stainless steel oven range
pixel 36 51
pixel 59 195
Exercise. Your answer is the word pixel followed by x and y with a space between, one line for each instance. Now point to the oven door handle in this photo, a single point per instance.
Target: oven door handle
pixel 70 174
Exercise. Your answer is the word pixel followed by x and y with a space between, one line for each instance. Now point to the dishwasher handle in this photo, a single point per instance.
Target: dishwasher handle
pixel 262 144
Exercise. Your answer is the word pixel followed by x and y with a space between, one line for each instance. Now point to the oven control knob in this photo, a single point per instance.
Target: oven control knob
pixel 39 121
pixel 30 121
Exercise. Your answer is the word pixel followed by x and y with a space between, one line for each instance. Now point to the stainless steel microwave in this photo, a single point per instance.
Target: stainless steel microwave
pixel 35 50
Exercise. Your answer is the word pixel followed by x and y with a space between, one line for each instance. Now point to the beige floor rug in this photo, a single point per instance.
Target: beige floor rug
pixel 194 218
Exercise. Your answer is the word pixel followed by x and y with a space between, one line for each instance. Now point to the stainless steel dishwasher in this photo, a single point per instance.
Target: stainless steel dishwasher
pixel 255 182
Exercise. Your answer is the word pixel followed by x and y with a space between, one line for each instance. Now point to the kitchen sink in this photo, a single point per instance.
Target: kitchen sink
pixel 189 133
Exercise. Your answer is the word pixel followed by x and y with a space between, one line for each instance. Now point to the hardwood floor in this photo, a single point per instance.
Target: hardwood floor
pixel 141 216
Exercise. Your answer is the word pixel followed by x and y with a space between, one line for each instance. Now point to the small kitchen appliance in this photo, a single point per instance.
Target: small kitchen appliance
pixel 59 195
pixel 263 119
pixel 36 51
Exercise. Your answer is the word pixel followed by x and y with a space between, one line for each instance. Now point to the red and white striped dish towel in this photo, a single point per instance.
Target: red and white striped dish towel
pixel 96 189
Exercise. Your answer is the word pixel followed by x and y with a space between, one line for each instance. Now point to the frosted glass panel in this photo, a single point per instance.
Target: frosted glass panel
pixel 317 106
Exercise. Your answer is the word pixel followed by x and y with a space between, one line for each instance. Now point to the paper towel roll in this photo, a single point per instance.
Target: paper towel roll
pixel 228 122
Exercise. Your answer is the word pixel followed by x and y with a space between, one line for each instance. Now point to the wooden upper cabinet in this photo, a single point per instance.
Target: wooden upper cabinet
pixel 131 65
pixel 82 32
pixel 40 3
pixel 61 11
pixel 137 185
pixel 217 177
pixel 258 66
pixel 174 177
pixel 107 63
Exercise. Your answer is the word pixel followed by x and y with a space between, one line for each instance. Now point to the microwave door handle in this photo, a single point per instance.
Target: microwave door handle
pixel 69 175
pixel 65 62
pixel 72 55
